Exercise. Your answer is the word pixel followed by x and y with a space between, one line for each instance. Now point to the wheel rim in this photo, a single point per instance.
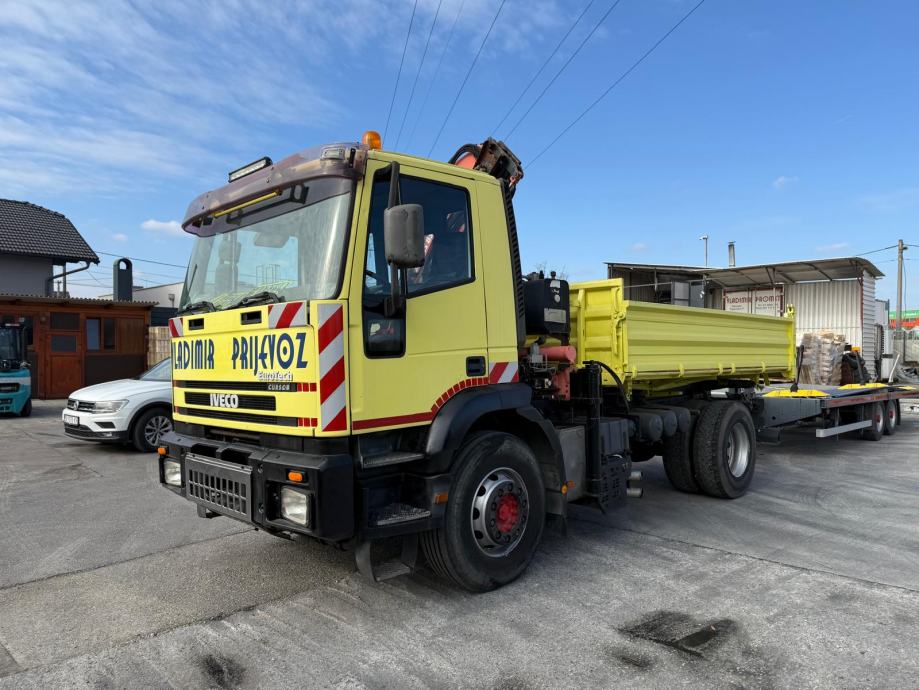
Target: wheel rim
pixel 499 512
pixel 155 428
pixel 737 450
pixel 879 418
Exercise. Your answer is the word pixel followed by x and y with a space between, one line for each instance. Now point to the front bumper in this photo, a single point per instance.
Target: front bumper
pixel 95 427
pixel 244 482
pixel 12 401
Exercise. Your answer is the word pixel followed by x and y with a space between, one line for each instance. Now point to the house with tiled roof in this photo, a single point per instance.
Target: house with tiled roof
pixel 71 342
pixel 36 244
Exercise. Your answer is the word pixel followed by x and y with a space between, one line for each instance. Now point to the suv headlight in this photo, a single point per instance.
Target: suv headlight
pixel 172 473
pixel 108 406
pixel 295 505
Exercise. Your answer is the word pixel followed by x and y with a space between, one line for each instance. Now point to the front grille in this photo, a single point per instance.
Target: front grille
pixel 80 405
pixel 246 402
pixel 221 486
pixel 9 387
pixel 239 416
pixel 239 386
pixel 6 401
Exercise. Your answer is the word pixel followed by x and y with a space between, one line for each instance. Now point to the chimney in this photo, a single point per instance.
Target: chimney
pixel 732 260
pixel 123 280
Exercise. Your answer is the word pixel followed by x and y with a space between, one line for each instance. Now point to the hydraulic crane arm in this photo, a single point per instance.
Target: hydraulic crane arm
pixel 493 157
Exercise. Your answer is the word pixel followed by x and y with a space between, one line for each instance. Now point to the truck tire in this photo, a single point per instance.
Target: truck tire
pixel 149 427
pixel 26 409
pixel 876 413
pixel 494 516
pixel 892 420
pixel 724 449
pixel 677 456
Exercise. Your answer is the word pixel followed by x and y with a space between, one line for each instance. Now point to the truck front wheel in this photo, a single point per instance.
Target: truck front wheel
pixel 494 516
pixel 724 449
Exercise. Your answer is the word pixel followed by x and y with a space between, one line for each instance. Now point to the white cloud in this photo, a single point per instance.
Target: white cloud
pixel 120 237
pixel 835 248
pixel 168 227
pixel 783 182
pixel 639 247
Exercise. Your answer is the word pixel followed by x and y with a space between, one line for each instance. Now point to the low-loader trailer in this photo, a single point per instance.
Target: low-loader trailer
pixel 359 358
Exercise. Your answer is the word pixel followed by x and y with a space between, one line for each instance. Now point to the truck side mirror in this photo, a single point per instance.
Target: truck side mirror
pixel 403 235
pixel 403 242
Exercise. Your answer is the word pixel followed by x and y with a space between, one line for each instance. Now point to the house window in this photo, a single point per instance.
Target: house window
pixel 93 335
pixel 108 334
pixel 65 321
pixel 63 343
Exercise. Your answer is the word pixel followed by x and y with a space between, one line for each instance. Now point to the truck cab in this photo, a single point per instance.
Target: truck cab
pixel 15 377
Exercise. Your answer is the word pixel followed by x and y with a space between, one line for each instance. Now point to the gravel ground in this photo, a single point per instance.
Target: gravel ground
pixel 811 580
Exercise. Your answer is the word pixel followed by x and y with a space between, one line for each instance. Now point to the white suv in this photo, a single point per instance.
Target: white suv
pixel 137 410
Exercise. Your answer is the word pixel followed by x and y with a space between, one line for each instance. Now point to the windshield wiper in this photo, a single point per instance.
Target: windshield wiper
pixel 264 297
pixel 196 306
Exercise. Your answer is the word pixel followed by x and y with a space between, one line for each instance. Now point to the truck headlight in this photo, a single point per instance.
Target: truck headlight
pixel 295 505
pixel 172 473
pixel 108 406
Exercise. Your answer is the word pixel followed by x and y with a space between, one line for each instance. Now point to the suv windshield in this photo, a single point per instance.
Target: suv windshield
pixel 158 372
pixel 296 255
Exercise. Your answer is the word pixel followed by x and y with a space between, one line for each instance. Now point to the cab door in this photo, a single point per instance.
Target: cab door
pixel 405 366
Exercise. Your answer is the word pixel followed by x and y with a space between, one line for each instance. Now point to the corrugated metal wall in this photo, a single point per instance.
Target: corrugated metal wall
pixel 837 306
pixel 869 332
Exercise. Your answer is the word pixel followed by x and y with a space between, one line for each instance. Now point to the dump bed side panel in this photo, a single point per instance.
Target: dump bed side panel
pixel 653 344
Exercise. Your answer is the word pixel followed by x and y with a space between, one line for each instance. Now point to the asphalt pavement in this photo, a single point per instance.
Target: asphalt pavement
pixel 810 580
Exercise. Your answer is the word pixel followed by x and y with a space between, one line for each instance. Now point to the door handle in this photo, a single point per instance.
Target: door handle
pixel 475 366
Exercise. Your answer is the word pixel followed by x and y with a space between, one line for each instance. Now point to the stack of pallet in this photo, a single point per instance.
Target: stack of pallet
pixel 821 361
pixel 158 347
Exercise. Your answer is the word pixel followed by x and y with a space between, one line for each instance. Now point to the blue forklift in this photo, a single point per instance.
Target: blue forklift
pixel 15 378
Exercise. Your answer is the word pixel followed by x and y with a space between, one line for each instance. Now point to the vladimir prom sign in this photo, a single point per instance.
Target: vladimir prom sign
pixel 765 301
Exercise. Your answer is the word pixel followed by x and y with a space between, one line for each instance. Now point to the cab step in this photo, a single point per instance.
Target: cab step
pixel 393 458
pixel 397 513
pixel 387 570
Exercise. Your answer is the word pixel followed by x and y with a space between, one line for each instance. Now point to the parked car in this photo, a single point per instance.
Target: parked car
pixel 136 411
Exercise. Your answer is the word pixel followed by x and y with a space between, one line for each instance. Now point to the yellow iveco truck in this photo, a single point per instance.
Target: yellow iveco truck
pixel 358 358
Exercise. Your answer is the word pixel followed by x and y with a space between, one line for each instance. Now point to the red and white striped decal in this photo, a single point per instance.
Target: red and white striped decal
pixel 503 372
pixel 331 338
pixel 175 327
pixel 286 314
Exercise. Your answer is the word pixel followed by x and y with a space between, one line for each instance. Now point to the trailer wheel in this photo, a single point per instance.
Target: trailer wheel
pixel 677 456
pixel 877 414
pixel 892 420
pixel 724 449
pixel 494 517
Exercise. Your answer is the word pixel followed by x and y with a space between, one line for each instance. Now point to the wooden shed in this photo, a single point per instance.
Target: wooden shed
pixel 76 342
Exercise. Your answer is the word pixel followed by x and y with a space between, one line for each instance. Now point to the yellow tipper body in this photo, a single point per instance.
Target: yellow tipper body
pixel 665 347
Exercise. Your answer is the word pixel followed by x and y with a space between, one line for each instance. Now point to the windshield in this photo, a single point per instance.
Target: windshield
pixel 9 344
pixel 296 255
pixel 158 372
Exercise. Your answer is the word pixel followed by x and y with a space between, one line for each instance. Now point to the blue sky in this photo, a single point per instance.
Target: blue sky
pixel 787 127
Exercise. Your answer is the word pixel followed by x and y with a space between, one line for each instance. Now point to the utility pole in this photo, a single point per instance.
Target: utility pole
pixel 704 238
pixel 899 329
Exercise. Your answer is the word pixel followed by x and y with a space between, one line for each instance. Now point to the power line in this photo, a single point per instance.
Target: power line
pixel 562 69
pixel 149 261
pixel 424 54
pixel 542 67
pixel 466 78
pixel 427 95
pixel 619 80
pixel 395 89
pixel 875 251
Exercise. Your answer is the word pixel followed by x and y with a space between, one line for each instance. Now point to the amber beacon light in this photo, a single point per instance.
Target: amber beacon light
pixel 372 140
